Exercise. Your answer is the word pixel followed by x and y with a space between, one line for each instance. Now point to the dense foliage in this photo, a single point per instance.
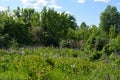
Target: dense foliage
pixel 29 27
pixel 80 52
pixel 56 64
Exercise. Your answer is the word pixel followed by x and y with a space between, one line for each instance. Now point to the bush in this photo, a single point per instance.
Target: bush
pixel 96 55
pixel 64 43
pixel 12 75
pixel 54 75
pixel 112 47
pixel 13 44
pixel 106 50
pixel 4 41
pixel 71 44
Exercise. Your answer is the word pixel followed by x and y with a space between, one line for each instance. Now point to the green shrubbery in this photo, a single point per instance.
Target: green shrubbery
pixel 74 53
pixel 43 64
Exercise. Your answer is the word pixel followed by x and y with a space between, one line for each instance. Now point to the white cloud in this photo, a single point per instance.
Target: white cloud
pixel 81 1
pixel 33 3
pixel 38 3
pixel 55 6
pixel 67 12
pixel 102 1
pixel 2 8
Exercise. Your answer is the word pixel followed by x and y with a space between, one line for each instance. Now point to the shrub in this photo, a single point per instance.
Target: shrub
pixel 95 55
pixel 64 43
pixel 112 47
pixel 50 62
pixel 71 44
pixel 55 74
pixel 4 40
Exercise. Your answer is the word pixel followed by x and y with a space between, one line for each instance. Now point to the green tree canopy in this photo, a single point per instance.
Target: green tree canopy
pixel 55 25
pixel 83 25
pixel 110 16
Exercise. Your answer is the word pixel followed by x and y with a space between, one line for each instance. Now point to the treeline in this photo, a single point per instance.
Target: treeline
pixel 23 27
pixel 29 27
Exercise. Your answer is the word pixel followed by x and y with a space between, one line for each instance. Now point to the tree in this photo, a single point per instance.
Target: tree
pixel 112 33
pixel 83 25
pixel 17 25
pixel 26 20
pixel 26 26
pixel 55 25
pixel 110 17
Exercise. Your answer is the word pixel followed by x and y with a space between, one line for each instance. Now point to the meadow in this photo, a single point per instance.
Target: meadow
pixel 48 63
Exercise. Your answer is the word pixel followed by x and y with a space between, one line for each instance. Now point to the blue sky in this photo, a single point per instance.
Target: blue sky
pixel 83 10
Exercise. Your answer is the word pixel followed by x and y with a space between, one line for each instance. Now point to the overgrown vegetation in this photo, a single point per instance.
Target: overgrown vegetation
pixel 62 49
pixel 51 64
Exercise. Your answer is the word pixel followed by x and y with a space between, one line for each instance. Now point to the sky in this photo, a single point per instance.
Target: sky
pixel 83 10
